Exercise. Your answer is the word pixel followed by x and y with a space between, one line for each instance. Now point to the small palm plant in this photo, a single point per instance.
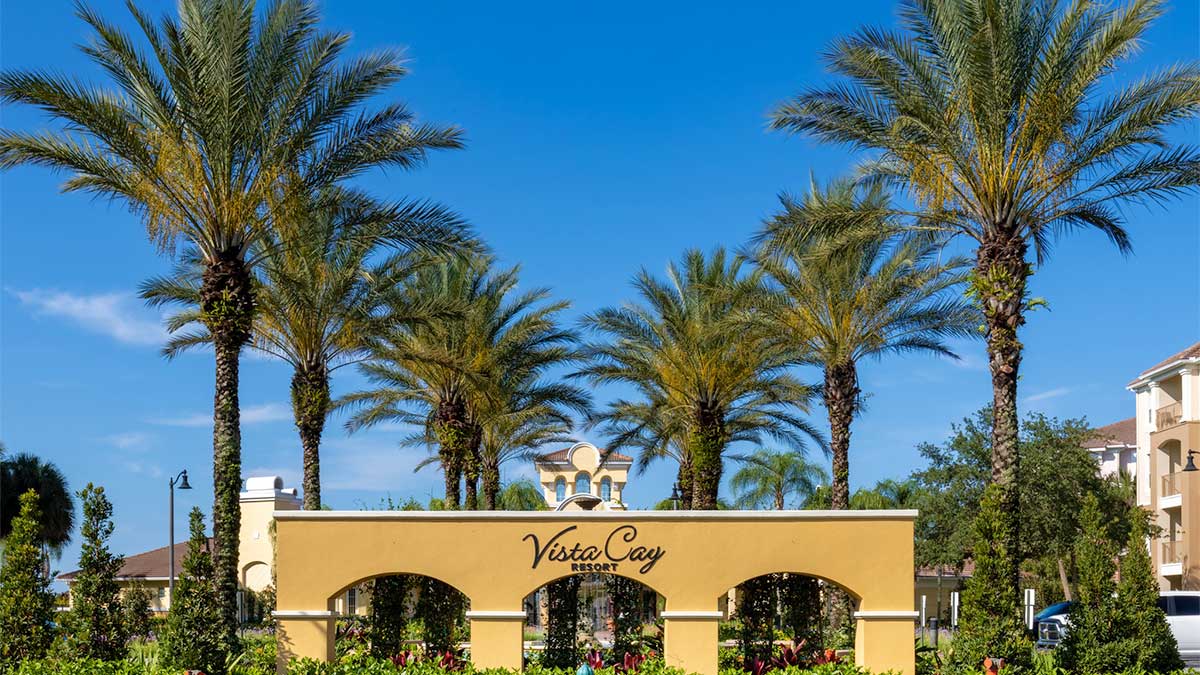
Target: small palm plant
pixel 767 477
pixel 713 380
pixel 842 298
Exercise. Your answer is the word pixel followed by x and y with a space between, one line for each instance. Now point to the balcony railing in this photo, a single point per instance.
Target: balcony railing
pixel 1170 484
pixel 1168 416
pixel 1172 552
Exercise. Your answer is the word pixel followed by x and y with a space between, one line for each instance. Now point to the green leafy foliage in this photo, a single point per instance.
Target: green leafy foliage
pixel 441 607
pixel 26 601
pixel 389 613
pixel 97 628
pixel 1116 627
pixel 193 636
pixel 135 611
pixel 563 596
pixel 991 623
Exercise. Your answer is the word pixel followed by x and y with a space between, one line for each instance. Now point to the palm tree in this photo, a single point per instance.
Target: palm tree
pixel 712 381
pixel 841 299
pixel 767 477
pixel 1000 120
pixel 644 427
pixel 320 296
pixel 516 431
pixel 447 376
pixel 209 138
pixel 887 494
pixel 24 472
pixel 521 495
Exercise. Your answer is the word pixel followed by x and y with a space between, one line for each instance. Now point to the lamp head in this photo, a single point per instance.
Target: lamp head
pixel 675 492
pixel 1191 465
pixel 183 483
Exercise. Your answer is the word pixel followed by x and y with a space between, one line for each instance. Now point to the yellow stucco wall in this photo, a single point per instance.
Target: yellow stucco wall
pixel 690 558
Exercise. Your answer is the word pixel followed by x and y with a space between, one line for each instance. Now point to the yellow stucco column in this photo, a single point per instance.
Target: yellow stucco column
pixel 497 638
pixel 690 640
pixel 884 641
pixel 304 634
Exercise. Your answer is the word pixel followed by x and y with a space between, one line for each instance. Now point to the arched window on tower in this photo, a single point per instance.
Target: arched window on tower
pixel 606 489
pixel 583 483
pixel 560 489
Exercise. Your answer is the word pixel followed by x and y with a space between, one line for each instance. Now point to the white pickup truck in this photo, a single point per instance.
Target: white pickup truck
pixel 1183 614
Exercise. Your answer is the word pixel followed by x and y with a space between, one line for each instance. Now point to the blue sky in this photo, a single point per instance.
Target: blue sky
pixel 602 137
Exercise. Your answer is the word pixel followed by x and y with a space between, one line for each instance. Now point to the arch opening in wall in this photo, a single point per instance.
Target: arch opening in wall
pixel 406 611
pixel 808 610
pixel 613 613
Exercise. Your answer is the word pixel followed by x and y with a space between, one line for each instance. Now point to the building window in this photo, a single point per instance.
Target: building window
pixel 560 489
pixel 583 483
pixel 352 601
pixel 162 593
pixel 606 489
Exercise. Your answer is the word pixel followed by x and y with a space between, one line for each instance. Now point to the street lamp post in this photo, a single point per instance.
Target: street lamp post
pixel 181 480
pixel 675 497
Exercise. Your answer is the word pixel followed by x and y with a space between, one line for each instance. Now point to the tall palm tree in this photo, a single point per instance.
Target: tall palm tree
pixel 516 432
pixel 767 477
pixel 208 137
pixel 712 380
pixel 999 118
pixel 24 472
pixel 446 376
pixel 874 295
pixel 644 427
pixel 321 294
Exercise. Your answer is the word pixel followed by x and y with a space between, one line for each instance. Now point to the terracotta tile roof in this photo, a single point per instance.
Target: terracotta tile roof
pixel 1117 433
pixel 151 564
pixel 1192 352
pixel 561 456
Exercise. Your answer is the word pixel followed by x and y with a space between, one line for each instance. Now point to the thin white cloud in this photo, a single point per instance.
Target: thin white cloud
pixel 1049 394
pixel 120 316
pixel 145 469
pixel 129 440
pixel 365 464
pixel 255 414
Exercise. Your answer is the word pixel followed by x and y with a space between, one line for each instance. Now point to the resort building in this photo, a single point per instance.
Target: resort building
pixel 1115 448
pixel 1168 484
pixel 261 498
pixel 583 478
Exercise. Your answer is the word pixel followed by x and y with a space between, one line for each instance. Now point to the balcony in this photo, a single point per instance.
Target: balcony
pixel 1168 416
pixel 1171 496
pixel 1171 563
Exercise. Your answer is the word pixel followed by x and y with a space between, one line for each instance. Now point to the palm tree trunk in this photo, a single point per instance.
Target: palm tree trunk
pixel 451 428
pixel 491 485
pixel 684 479
pixel 310 407
pixel 227 307
pixel 841 396
pixel 707 440
pixel 779 497
pixel 1000 278
pixel 471 469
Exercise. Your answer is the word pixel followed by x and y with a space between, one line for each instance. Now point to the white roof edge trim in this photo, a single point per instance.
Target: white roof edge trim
pixel 550 516
pixel 1160 373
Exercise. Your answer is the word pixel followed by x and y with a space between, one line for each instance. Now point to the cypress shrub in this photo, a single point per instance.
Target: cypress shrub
pixel 1154 646
pixel 135 611
pixel 756 613
pixel 991 624
pixel 97 626
pixel 194 637
pixel 800 596
pixel 1095 641
pixel 26 602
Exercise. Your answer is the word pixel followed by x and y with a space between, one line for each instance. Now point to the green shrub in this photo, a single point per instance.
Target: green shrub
pixel 26 602
pixel 97 628
pixel 193 637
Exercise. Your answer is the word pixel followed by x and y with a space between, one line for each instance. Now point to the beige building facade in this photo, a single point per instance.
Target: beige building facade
pixel 263 496
pixel 1168 427
pixel 583 478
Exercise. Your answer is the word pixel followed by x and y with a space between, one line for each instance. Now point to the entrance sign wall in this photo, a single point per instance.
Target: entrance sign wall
pixel 689 557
